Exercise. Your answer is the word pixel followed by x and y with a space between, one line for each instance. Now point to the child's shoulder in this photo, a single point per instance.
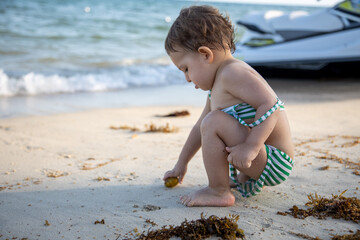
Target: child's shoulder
pixel 236 70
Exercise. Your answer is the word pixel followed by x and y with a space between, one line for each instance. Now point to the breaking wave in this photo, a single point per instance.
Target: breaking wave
pixel 33 83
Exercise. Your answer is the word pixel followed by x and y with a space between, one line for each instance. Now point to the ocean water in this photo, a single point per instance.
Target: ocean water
pixel 65 47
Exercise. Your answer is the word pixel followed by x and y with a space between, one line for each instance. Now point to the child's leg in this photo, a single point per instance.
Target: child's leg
pixel 219 130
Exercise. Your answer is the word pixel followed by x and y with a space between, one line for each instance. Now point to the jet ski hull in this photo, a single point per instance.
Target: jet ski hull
pixel 333 70
pixel 330 54
pixel 325 43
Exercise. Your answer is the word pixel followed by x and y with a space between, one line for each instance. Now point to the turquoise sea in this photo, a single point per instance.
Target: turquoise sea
pixel 65 55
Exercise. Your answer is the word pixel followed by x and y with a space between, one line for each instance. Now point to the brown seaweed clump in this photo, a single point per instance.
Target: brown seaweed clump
pixel 225 228
pixel 305 236
pixel 336 207
pixel 99 222
pixel 176 114
pixel 354 236
pixel 164 129
pixel 149 128
pixel 125 127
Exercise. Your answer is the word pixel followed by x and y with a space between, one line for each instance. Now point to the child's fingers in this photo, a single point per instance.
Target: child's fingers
pixel 246 164
pixel 181 178
pixel 172 173
pixel 168 174
pixel 165 176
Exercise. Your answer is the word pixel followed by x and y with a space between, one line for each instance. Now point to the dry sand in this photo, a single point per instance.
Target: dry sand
pixel 59 174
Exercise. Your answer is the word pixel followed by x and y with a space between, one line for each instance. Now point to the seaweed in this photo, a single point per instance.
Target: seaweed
pixel 346 161
pixel 354 236
pixel 149 221
pixel 165 129
pixel 350 141
pixel 176 114
pixel 99 179
pixel 148 128
pixel 88 166
pixel 99 222
pixel 347 236
pixel 305 236
pixel 56 174
pixel 324 168
pixel 337 207
pixel 149 208
pixel 226 228
pixel 125 127
pixel 352 144
pixel 354 140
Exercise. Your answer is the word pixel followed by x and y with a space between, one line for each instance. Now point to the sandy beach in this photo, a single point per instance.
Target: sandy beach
pixel 62 173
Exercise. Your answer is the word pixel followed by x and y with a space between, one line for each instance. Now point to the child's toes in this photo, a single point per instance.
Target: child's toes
pixel 190 203
pixel 185 200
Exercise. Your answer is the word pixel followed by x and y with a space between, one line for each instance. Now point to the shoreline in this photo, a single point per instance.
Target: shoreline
pixel 40 105
pixel 289 90
pixel 60 173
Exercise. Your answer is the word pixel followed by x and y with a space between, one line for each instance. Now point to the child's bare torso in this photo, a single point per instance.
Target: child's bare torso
pixel 220 98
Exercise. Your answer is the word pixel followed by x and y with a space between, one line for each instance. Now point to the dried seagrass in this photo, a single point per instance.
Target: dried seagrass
pixel 354 236
pixel 164 129
pixel 226 228
pixel 321 207
pixel 176 114
pixel 305 236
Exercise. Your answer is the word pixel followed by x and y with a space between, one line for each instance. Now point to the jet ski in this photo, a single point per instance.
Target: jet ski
pixel 324 43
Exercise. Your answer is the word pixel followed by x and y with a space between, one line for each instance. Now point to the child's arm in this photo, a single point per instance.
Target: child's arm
pixel 253 90
pixel 191 146
pixel 243 154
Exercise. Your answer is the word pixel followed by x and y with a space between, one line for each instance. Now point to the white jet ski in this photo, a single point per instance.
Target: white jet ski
pixel 325 43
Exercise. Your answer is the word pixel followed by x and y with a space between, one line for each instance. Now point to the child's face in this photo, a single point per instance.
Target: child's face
pixel 195 67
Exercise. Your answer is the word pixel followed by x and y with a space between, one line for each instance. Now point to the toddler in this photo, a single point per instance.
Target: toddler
pixel 243 130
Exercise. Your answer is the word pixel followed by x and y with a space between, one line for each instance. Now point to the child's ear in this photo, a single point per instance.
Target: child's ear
pixel 207 53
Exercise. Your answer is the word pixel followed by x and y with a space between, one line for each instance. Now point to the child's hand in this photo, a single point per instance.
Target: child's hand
pixel 242 155
pixel 177 171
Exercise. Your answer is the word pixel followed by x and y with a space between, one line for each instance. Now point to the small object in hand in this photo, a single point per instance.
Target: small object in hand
pixel 171 182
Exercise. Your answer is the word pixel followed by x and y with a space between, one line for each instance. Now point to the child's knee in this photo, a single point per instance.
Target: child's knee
pixel 211 120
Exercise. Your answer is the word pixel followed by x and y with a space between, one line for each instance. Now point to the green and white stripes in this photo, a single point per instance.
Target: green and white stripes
pixel 279 164
pixel 245 111
pixel 277 170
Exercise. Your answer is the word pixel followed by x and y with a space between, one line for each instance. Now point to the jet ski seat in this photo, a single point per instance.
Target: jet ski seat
pixel 300 24
pixel 292 25
pixel 259 21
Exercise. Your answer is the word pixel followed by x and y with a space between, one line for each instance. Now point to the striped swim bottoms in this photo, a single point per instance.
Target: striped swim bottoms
pixel 277 170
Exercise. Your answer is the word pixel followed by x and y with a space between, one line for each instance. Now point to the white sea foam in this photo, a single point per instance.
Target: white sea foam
pixel 125 77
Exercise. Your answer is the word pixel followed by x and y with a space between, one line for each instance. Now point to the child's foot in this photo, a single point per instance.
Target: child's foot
pixel 208 197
